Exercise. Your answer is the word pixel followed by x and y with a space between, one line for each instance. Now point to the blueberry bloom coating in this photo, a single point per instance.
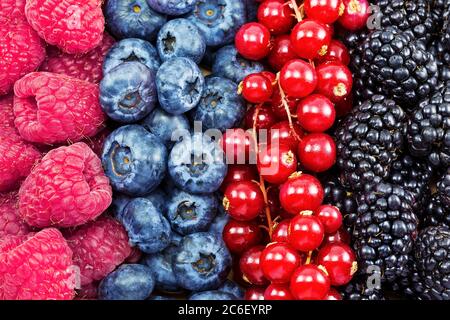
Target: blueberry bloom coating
pixel 128 282
pixel 157 197
pixel 212 295
pixel 166 126
pixel 172 7
pixel 218 20
pixel 180 38
pixel 161 266
pixel 221 107
pixel 133 19
pixel 219 222
pixel 179 83
pixel 147 228
pixel 232 288
pixel 134 160
pixel 202 262
pixel 129 50
pixel 229 64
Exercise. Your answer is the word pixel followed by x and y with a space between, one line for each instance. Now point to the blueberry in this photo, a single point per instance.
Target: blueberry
pixel 202 262
pixel 208 57
pixel 229 64
pixel 161 266
pixel 157 197
pixel 220 220
pixel 128 282
pixel 166 126
pixel 160 298
pixel 197 165
pixel 180 84
pixel 134 160
pixel 128 92
pixel 180 38
pixel 212 295
pixel 133 19
pixel 218 20
pixel 189 213
pixel 129 50
pixel 147 228
pixel 221 107
pixel 176 238
pixel 172 7
pixel 252 10
pixel 232 288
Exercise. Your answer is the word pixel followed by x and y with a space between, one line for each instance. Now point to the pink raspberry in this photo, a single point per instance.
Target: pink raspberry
pixel 10 221
pixel 75 26
pixel 21 51
pixel 54 108
pixel 13 9
pixel 96 143
pixel 36 267
pixel 66 189
pixel 7 114
pixel 86 67
pixel 17 158
pixel 98 248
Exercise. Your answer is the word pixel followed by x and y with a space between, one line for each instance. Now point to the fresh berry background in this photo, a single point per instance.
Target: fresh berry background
pixel 225 150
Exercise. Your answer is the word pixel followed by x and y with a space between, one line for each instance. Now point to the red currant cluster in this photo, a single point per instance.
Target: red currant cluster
pixel 296 104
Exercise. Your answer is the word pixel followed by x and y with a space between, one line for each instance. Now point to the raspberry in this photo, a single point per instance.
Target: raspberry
pixel 21 51
pixel 13 9
pixel 96 143
pixel 98 248
pixel 66 189
pixel 7 114
pixel 10 222
pixel 36 267
pixel 16 160
pixel 53 108
pixel 86 67
pixel 75 26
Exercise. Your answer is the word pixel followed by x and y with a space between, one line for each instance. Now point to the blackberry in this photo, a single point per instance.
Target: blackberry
pixel 443 187
pixel 435 213
pixel 392 64
pixel 368 141
pixel 384 231
pixel 429 129
pixel 358 289
pixel 442 55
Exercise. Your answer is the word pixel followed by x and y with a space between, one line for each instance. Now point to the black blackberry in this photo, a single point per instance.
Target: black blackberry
pixel 429 129
pixel 384 231
pixel 368 141
pixel 392 64
pixel 442 59
pixel 443 187
pixel 435 213
pixel 361 289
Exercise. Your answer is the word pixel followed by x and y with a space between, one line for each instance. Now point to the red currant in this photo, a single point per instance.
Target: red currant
pixel 333 294
pixel 254 293
pixel 298 78
pixel 301 192
pixel 278 292
pixel 278 107
pixel 256 88
pixel 330 216
pixel 339 236
pixel 238 173
pixel 243 200
pixel 339 261
pixel 355 14
pixel 282 52
pixel 316 113
pixel 317 152
pixel 270 75
pixel 337 51
pixel 240 236
pixel 310 39
pixel 278 262
pixel 344 106
pixel 250 266
pixel 237 143
pixel 306 232
pixel 276 163
pixel 284 134
pixel 253 41
pixel 309 282
pixel 334 80
pixel 281 231
pixel 276 16
pixel 264 120
pixel 325 11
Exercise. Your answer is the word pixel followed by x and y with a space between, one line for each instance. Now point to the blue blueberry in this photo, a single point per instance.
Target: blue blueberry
pixel 172 7
pixel 202 262
pixel 218 20
pixel 133 19
pixel 166 126
pixel 221 107
pixel 129 50
pixel 232 288
pixel 208 58
pixel 161 266
pixel 212 295
pixel 128 92
pixel 252 10
pixel 157 197
pixel 161 298
pixel 180 38
pixel 128 282
pixel 189 213
pixel 180 84
pixel 229 64
pixel 197 165
pixel 147 228
pixel 176 238
pixel 220 220
pixel 134 160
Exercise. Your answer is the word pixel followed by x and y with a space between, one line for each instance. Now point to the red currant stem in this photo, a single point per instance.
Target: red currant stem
pixel 286 108
pixel 297 10
pixel 308 259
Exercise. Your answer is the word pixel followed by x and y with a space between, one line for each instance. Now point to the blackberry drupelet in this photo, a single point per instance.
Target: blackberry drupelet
pixel 435 213
pixel 384 231
pixel 442 55
pixel 368 141
pixel 358 289
pixel 429 128
pixel 443 187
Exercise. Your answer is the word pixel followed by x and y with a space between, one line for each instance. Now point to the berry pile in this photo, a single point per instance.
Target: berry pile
pixel 224 150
